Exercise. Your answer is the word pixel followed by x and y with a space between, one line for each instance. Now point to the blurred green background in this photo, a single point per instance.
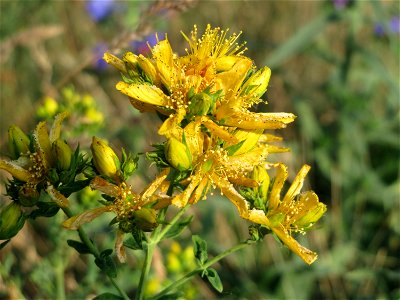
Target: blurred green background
pixel 335 64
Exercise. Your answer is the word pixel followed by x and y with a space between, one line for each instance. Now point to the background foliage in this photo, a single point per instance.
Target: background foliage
pixel 334 64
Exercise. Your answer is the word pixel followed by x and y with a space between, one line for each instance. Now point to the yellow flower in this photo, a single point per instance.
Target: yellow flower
pixel 33 168
pixel 296 212
pixel 210 81
pixel 105 160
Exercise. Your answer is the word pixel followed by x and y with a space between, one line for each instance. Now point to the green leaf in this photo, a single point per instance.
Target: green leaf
pixel 78 246
pixel 178 227
pixel 45 209
pixel 106 263
pixel 107 296
pixel 200 249
pixel 214 279
pixel 136 242
pixel 232 149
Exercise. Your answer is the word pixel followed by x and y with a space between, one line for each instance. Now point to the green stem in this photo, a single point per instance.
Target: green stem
pixel 145 269
pixel 59 267
pixel 156 237
pixel 199 270
pixel 86 240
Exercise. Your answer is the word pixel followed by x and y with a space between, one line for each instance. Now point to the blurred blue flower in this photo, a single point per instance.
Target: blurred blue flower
pixel 98 62
pixel 141 47
pixel 100 9
pixel 392 26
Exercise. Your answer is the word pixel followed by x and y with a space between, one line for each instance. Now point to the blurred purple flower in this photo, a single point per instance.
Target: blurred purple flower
pixel 100 9
pixel 394 24
pixel 379 29
pixel 98 61
pixel 141 47
pixel 340 4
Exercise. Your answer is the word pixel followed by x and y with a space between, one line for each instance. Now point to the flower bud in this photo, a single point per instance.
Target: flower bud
pixel 105 160
pixel 257 84
pixel 11 221
pixel 311 216
pixel 18 141
pixel 260 175
pixel 63 154
pixel 145 219
pixel 28 196
pixel 178 155
pixel 200 104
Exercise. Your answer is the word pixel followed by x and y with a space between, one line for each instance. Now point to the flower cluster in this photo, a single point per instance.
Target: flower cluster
pixel 212 137
pixel 213 140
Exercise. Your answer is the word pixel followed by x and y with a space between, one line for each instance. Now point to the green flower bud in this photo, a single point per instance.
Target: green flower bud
pixel 28 196
pixel 63 154
pixel 18 141
pixel 178 155
pixel 11 221
pixel 145 219
pixel 105 160
pixel 260 175
pixel 311 216
pixel 257 84
pixel 129 164
pixel 200 104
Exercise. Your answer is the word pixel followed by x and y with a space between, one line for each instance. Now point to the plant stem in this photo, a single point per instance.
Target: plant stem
pixel 145 270
pixel 209 263
pixel 156 237
pixel 86 240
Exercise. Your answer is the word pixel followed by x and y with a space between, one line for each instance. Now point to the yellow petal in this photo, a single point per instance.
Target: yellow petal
pixel 280 178
pixel 77 221
pixel 114 61
pixel 119 247
pixel 148 69
pixel 305 254
pixel 251 120
pixel 201 191
pixel 143 92
pixel 15 170
pixel 182 199
pixel 55 130
pixel 232 194
pixel 104 186
pixel 194 139
pixel 42 145
pixel 218 131
pixel 163 55
pixel 57 197
pixel 231 80
pixel 171 126
pixel 296 186
pixel 153 186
